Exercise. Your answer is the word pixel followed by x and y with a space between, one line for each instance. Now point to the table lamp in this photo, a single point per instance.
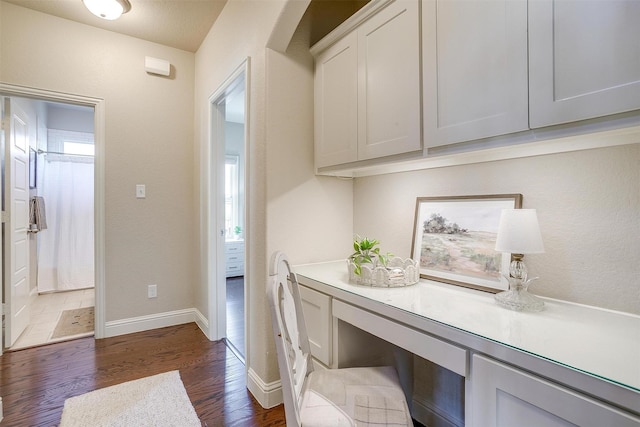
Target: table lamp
pixel 519 234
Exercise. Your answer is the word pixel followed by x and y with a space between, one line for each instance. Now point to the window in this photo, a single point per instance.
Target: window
pixel 79 148
pixel 231 196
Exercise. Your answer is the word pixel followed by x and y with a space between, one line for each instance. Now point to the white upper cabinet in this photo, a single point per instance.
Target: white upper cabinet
pixel 388 81
pixel 403 79
pixel 474 69
pixel 336 103
pixel 367 97
pixel 584 58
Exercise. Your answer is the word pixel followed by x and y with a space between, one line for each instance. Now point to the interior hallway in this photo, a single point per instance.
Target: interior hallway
pixel 45 313
pixel 35 382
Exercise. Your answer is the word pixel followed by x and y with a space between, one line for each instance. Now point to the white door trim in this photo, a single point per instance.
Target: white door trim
pixel 213 187
pixel 99 181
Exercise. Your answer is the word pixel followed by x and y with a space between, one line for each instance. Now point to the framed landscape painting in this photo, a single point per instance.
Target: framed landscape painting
pixel 454 240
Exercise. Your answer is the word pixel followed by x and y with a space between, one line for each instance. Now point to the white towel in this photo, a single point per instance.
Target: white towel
pixel 37 214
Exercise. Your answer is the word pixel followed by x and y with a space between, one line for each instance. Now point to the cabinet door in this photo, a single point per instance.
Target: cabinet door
pixel 503 396
pixel 584 59
pixel 474 68
pixel 317 315
pixel 336 108
pixel 389 102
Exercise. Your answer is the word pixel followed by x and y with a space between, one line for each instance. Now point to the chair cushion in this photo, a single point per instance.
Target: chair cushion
pixel 354 396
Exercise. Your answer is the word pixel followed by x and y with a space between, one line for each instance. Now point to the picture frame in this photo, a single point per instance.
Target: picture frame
pixel 454 240
pixel 33 168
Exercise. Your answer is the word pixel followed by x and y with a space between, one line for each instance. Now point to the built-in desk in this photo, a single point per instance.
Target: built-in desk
pixel 568 363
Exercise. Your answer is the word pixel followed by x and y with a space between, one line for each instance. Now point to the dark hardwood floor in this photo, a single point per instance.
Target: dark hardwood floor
pixel 235 313
pixel 35 382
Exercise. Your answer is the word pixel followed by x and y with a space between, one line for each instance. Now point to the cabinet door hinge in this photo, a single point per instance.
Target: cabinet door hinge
pixel 4 217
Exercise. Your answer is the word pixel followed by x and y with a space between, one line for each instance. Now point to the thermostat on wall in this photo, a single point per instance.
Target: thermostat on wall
pixel 157 66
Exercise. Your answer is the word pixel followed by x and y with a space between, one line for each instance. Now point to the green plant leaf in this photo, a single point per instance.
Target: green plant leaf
pixel 366 252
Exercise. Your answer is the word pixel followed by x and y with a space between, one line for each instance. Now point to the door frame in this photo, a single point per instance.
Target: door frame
pixel 99 182
pixel 213 182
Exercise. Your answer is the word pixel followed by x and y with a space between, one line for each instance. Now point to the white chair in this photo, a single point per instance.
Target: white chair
pixel 334 397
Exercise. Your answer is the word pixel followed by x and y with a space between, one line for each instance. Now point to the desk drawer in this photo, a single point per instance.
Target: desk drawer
pixel 440 352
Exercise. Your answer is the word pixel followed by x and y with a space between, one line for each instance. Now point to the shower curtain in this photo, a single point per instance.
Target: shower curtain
pixel 65 248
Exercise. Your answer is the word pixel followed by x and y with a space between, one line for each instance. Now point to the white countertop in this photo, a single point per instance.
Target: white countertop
pixel 599 342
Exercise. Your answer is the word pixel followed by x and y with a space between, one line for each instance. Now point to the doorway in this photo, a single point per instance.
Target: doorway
pixel 228 288
pixel 61 238
pixel 64 269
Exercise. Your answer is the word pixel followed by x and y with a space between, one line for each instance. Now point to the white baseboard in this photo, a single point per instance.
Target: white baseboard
pixel 202 322
pixel 267 395
pixel 155 321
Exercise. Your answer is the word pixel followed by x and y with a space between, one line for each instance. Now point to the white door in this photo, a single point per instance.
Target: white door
pixel 16 205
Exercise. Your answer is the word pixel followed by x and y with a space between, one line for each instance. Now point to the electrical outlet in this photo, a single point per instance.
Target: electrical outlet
pixel 152 291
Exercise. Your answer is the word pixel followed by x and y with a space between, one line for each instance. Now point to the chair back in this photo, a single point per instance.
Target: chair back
pixel 290 334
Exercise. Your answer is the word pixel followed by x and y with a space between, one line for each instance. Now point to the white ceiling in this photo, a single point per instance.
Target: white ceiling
pixel 182 24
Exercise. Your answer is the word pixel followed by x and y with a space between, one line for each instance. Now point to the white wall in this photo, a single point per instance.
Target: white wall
pixel 241 31
pixel 588 205
pixel 149 140
pixel 289 208
pixel 1 38
pixel 74 119
pixel 309 217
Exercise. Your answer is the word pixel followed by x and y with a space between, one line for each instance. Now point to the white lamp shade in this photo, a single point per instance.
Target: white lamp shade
pixel 519 232
pixel 107 9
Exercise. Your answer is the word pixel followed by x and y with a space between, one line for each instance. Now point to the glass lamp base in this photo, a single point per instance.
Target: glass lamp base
pixel 519 300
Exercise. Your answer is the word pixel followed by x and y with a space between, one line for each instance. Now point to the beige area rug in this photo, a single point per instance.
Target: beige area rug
pixel 159 401
pixel 74 322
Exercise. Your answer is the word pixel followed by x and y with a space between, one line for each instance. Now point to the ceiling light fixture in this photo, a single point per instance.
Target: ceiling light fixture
pixel 108 9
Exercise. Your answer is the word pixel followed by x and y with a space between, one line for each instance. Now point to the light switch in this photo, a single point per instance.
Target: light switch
pixel 140 191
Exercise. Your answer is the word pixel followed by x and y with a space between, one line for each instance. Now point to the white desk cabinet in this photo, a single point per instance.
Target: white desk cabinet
pixel 506 396
pixel 234 258
pixel 317 315
pixel 367 102
pixel 584 59
pixel 567 365
pixel 474 57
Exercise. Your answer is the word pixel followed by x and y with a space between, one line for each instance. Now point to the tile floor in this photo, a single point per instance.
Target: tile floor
pixel 45 312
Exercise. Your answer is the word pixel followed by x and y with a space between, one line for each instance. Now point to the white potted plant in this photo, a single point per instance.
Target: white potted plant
pixel 367 266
